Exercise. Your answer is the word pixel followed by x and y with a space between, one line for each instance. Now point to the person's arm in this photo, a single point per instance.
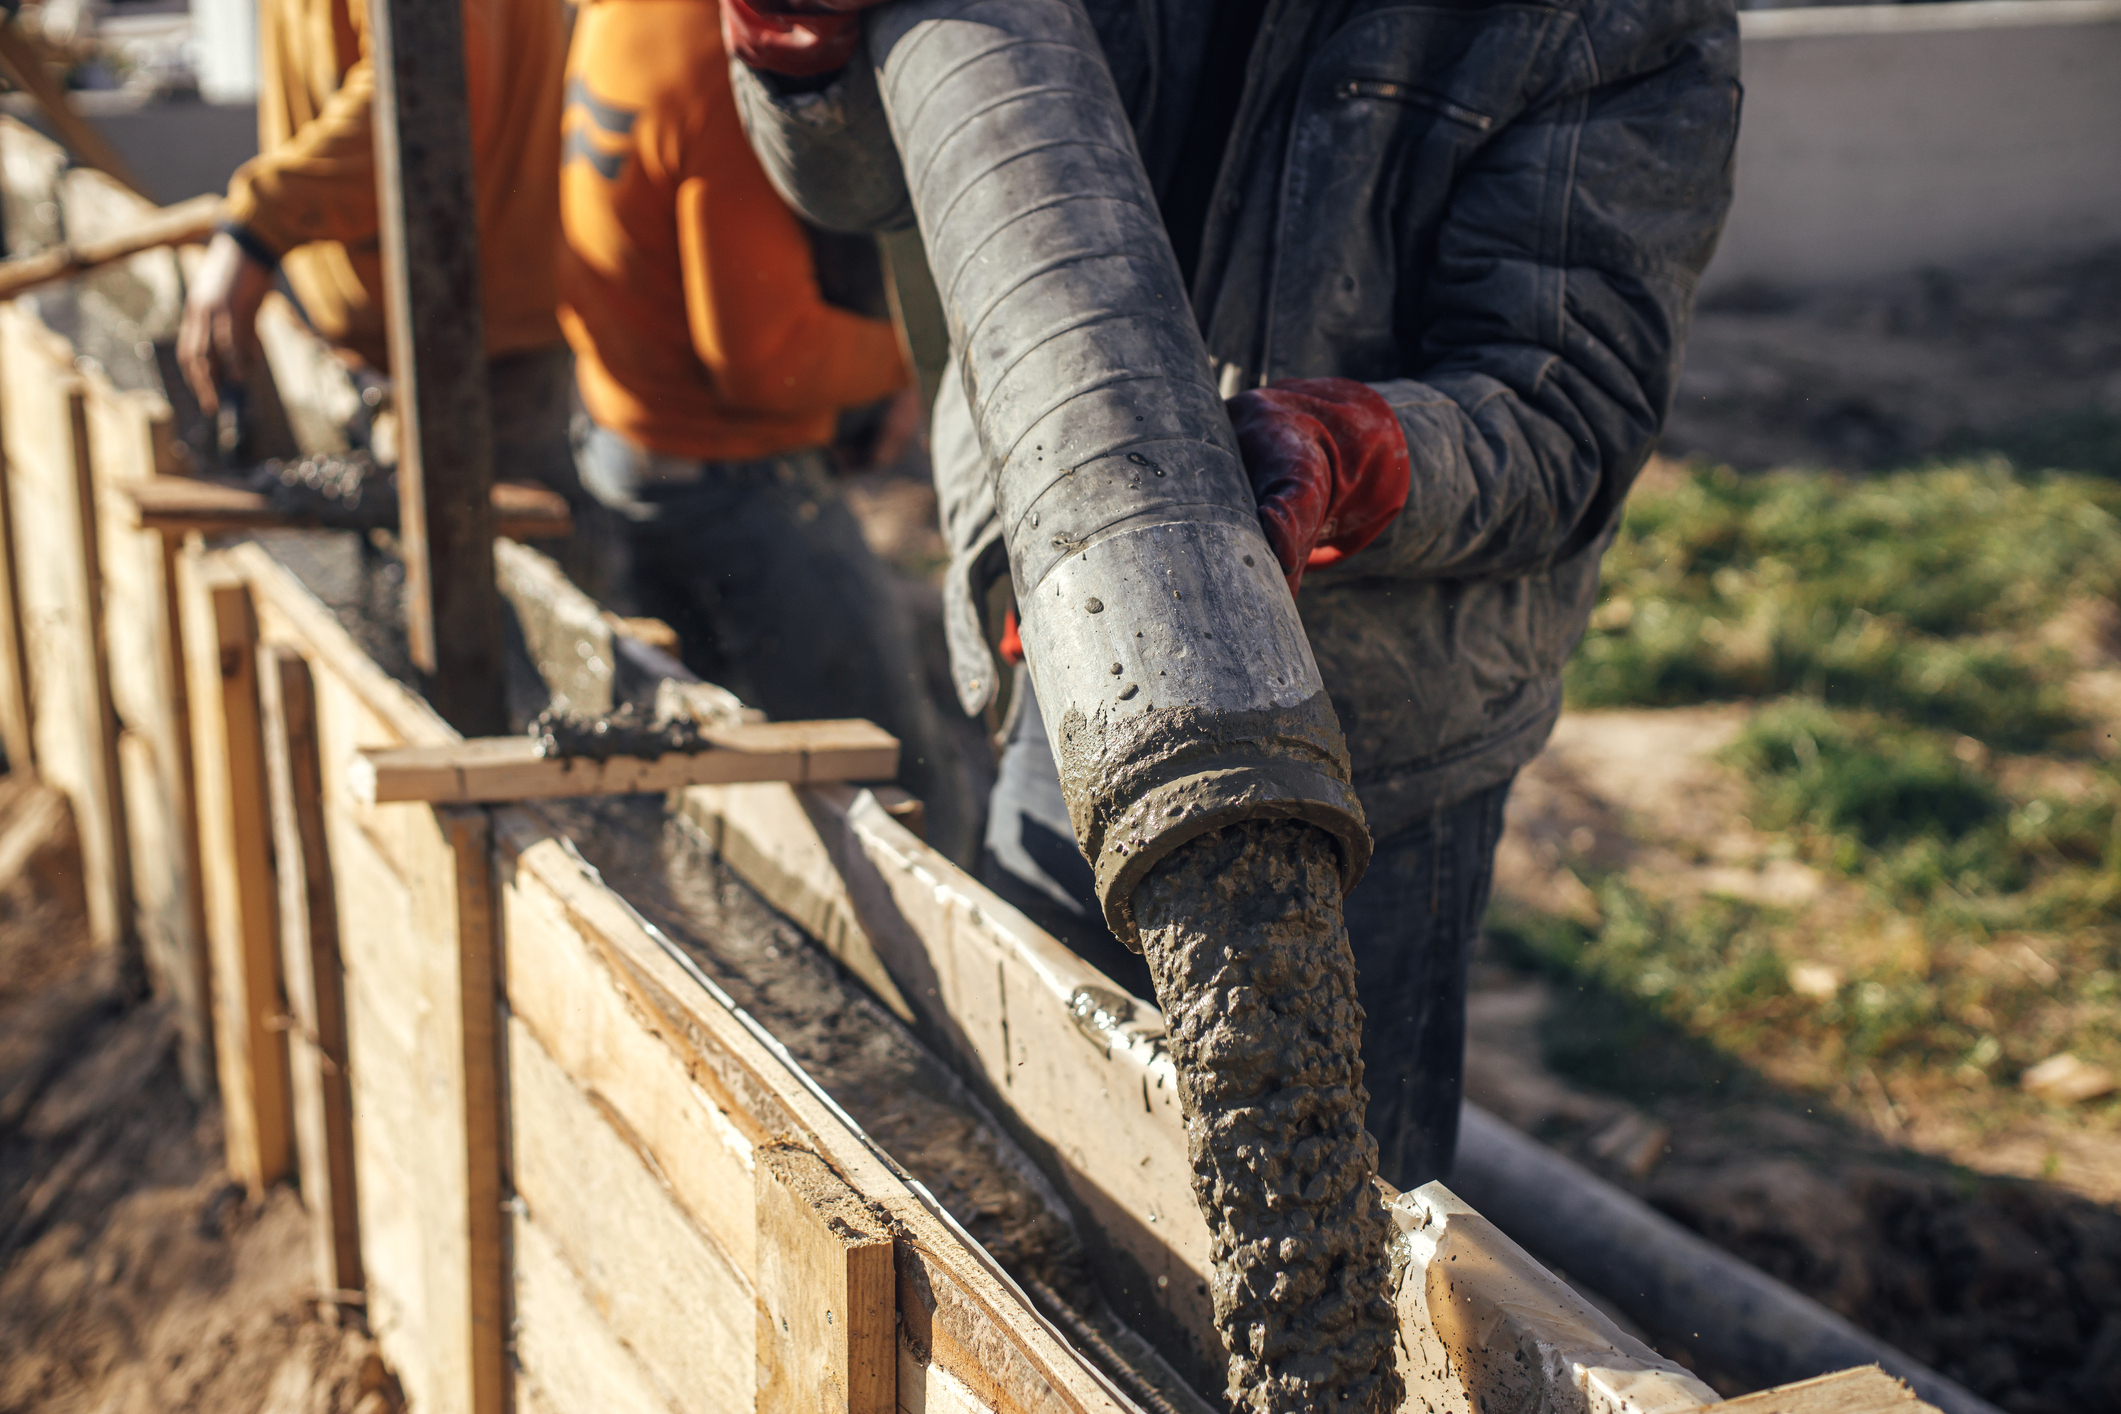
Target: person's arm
pixel 1553 338
pixel 759 324
pixel 827 149
pixel 320 185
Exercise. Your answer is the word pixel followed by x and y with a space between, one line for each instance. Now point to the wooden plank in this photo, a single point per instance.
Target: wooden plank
pixel 469 901
pixel 430 237
pixel 959 1313
pixel 1864 1390
pixel 16 732
pixel 241 895
pixel 196 1056
pixel 290 614
pixel 572 1363
pixel 563 992
pixel 662 1288
pixel 322 1096
pixel 185 223
pixel 181 504
pixel 129 436
pixel 509 768
pixel 827 1298
pixel 1485 1326
pixel 70 709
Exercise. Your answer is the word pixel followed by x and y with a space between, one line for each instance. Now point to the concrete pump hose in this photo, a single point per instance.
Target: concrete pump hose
pixel 1175 678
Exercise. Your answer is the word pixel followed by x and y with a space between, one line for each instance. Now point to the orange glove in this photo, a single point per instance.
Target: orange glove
pixel 1328 464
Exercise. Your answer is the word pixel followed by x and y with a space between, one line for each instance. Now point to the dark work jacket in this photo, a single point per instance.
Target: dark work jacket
pixel 1495 215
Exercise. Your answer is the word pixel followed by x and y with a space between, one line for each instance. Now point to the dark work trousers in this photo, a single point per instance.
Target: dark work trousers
pixel 762 570
pixel 528 394
pixel 1412 922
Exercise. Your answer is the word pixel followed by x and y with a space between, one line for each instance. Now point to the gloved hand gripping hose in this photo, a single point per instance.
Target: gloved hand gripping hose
pixel 1203 765
pixel 1177 683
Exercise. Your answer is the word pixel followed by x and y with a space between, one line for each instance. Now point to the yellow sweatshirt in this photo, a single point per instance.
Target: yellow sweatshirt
pixel 310 194
pixel 687 289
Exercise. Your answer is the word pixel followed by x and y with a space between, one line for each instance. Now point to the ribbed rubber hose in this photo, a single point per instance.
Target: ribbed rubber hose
pixel 1177 685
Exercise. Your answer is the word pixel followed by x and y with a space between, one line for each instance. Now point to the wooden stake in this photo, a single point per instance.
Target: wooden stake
pixel 250 1048
pixel 182 504
pixel 315 978
pixel 186 223
pixel 468 835
pixel 16 733
pixel 430 235
pixel 508 768
pixel 827 1292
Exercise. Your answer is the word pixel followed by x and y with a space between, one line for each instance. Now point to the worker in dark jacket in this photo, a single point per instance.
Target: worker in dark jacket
pixel 1444 259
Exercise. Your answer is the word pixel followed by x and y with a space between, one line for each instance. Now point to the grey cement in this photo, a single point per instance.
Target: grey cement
pixel 1245 939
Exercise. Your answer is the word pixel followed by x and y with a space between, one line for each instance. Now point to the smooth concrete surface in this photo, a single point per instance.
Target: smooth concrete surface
pixel 1881 139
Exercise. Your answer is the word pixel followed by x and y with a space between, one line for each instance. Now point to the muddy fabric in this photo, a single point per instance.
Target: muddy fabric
pixel 1496 216
pixel 1243 931
pixel 1412 923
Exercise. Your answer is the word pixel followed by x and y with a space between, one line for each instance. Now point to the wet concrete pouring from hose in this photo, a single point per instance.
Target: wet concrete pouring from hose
pixel 1245 939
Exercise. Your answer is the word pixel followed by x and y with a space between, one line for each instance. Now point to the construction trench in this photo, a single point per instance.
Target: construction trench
pixel 596 1193
pixel 919 1164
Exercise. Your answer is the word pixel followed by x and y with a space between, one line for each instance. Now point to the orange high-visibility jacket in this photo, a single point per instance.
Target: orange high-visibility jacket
pixel 310 194
pixel 687 289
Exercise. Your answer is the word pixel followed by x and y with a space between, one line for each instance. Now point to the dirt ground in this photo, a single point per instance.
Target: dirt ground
pixel 133 1277
pixel 1979 1231
pixel 1987 1246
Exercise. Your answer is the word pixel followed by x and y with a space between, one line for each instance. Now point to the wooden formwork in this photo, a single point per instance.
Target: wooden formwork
pixel 94 702
pixel 581 1179
pixel 552 1162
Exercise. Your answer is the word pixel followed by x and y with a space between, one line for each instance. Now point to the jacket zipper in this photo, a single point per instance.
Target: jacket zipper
pixel 1390 92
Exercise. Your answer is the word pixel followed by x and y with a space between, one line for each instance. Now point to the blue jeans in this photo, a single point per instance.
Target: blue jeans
pixel 1412 922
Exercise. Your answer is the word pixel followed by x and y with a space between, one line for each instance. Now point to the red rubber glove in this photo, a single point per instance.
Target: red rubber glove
pixel 798 39
pixel 1329 467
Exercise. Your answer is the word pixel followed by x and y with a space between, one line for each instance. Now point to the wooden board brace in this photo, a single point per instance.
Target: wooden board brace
pixel 1863 1390
pixel 186 223
pixel 312 972
pixel 827 1292
pixel 494 769
pixel 182 504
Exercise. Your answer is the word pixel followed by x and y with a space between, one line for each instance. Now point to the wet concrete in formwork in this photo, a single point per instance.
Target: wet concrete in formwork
pixel 904 1097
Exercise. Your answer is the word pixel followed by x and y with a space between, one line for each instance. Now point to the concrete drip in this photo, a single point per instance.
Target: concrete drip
pixel 1245 939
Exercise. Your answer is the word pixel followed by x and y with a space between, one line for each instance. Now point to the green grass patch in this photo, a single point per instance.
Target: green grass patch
pixel 1912 594
pixel 1914 736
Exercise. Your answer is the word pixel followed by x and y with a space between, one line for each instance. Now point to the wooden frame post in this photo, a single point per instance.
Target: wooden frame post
pixel 827 1292
pixel 430 235
pixel 242 923
pixel 321 1091
pixel 467 838
pixel 16 733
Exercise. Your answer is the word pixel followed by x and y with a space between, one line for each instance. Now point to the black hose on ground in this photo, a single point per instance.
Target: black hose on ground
pixel 1675 1284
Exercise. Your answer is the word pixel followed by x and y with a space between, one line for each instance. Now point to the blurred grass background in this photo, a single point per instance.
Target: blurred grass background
pixel 1914 646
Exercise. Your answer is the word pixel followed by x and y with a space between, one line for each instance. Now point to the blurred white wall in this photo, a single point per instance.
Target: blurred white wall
pixel 225 43
pixel 1881 139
